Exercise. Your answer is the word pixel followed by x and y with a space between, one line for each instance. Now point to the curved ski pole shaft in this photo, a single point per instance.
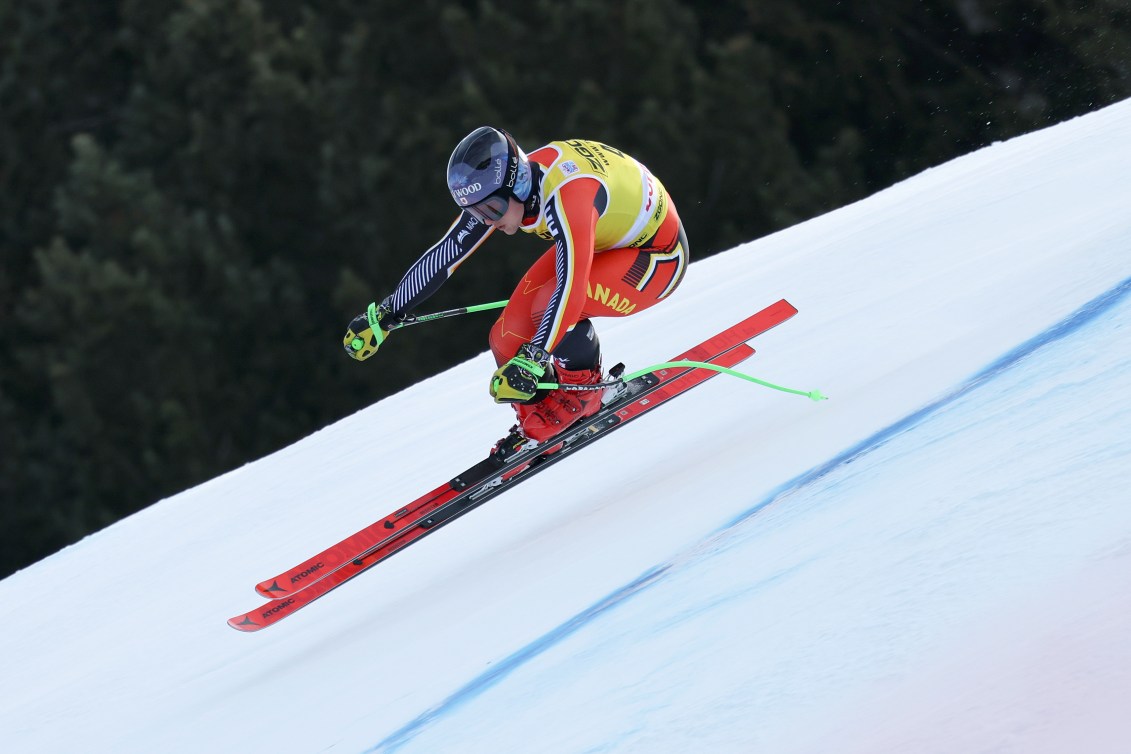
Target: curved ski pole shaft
pixel 420 318
pixel 814 395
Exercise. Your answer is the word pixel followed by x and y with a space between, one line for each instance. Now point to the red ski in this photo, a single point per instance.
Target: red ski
pixel 316 576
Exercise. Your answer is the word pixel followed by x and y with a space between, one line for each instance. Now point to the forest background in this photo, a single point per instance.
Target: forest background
pixel 196 196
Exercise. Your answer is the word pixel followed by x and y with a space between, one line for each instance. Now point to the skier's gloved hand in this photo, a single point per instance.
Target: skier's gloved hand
pixel 367 331
pixel 517 380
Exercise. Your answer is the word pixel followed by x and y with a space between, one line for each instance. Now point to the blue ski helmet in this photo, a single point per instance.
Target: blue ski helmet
pixel 485 170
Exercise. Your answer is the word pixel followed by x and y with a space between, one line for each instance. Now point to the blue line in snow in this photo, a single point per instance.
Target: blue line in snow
pixel 1078 319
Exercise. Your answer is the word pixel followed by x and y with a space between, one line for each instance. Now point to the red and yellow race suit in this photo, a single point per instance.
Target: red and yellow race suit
pixel 618 247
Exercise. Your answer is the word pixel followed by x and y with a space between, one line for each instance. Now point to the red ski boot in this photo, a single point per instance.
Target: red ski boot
pixel 560 408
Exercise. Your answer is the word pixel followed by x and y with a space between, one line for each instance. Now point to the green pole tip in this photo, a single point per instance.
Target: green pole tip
pixel 816 396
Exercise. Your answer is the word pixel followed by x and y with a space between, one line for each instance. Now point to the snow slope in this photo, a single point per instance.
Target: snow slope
pixel 938 558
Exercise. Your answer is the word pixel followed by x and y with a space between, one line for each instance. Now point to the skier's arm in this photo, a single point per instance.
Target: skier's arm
pixel 436 265
pixel 571 215
pixel 367 331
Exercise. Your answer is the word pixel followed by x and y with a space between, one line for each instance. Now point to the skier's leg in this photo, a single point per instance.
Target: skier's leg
pixel 621 282
pixel 523 313
pixel 580 348
pixel 625 281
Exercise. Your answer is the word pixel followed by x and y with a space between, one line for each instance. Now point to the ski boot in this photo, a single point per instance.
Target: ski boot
pixel 577 361
pixel 560 409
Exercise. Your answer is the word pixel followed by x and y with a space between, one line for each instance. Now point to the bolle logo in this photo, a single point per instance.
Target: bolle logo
pixel 498 170
pixel 467 190
pixel 281 606
pixel 302 575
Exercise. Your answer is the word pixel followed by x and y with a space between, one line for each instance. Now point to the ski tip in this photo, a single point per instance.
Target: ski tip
pixel 782 308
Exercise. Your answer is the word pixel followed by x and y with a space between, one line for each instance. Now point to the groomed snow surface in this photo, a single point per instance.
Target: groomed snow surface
pixel 937 559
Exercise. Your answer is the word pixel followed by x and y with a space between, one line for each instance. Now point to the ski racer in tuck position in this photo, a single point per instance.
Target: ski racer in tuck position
pixel 618 247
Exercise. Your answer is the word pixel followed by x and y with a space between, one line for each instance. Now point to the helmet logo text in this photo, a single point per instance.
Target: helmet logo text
pixel 467 190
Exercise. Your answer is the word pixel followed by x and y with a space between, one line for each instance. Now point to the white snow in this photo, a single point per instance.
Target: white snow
pixel 937 559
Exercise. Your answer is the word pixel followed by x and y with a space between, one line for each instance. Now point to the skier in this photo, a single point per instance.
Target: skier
pixel 618 248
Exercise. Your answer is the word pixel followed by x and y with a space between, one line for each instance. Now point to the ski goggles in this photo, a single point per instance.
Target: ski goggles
pixel 491 209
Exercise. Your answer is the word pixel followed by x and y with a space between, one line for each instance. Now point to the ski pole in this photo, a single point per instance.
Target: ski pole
pixel 419 318
pixel 813 395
